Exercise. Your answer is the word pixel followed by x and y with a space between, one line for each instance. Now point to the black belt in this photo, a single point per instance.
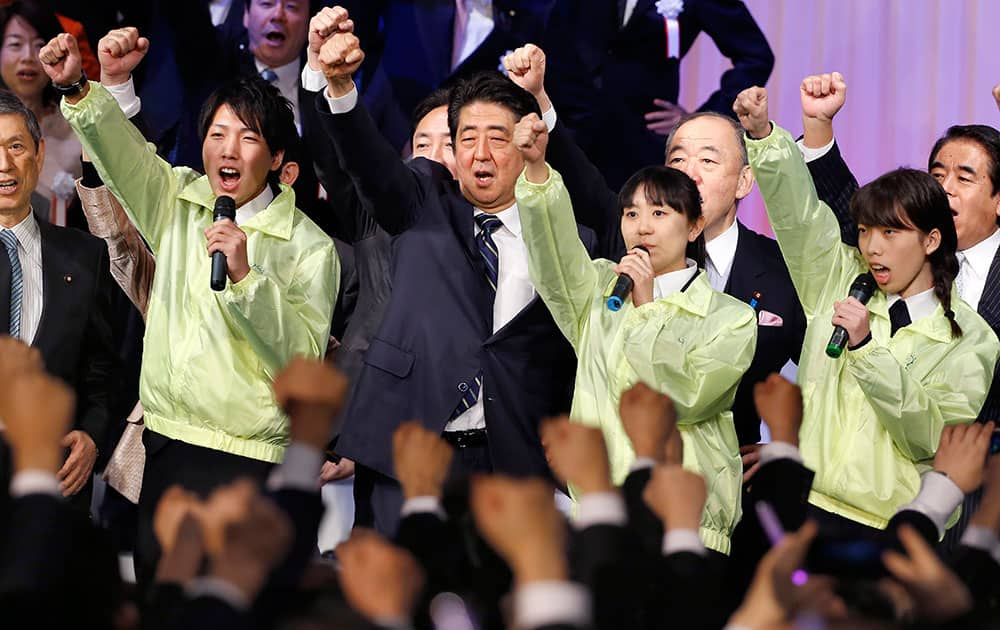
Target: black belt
pixel 465 439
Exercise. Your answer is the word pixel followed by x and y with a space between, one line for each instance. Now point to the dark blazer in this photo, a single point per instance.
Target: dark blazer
pixel 605 75
pixel 757 268
pixel 437 331
pixel 409 47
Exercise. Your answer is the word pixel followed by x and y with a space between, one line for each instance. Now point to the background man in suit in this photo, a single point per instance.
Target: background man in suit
pixel 966 162
pixel 616 71
pixel 466 345
pixel 55 293
pixel 429 44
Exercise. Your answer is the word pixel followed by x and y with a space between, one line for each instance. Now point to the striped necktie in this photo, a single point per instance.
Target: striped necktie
pixel 487 248
pixel 16 281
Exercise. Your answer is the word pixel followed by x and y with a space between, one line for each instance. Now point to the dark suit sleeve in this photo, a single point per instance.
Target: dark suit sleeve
pixel 394 191
pixel 594 204
pixel 980 573
pixel 97 360
pixel 835 185
pixel 737 36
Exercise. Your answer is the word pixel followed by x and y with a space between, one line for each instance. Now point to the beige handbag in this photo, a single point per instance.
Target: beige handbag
pixel 124 469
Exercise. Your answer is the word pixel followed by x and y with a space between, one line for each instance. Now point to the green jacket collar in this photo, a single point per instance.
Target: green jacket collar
pixel 275 220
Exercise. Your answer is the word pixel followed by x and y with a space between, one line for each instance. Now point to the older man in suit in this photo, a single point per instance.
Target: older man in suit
pixel 466 345
pixel 54 294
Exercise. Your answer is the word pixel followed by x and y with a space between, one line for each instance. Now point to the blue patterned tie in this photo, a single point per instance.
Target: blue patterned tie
pixel 487 248
pixel 16 281
pixel 269 75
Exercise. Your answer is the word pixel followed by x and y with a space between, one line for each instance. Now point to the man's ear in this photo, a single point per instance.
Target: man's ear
pixel 289 173
pixel 745 182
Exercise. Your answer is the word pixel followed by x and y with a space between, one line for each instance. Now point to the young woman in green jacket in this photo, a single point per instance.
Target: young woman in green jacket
pixel 674 333
pixel 873 416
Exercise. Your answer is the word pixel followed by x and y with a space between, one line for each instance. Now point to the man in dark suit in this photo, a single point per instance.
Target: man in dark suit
pixel 611 59
pixel 429 44
pixel 466 346
pixel 709 148
pixel 55 293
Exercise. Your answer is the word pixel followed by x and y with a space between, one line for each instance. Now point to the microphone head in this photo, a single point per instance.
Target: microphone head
pixel 863 287
pixel 642 247
pixel 225 208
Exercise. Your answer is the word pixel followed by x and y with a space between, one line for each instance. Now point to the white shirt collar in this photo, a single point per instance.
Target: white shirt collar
pixel 673 281
pixel 510 218
pixel 26 231
pixel 721 250
pixel 980 256
pixel 253 207
pixel 920 305
pixel 288 74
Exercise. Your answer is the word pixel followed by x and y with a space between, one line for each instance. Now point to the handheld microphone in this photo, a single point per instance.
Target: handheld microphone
pixel 862 290
pixel 225 208
pixel 622 288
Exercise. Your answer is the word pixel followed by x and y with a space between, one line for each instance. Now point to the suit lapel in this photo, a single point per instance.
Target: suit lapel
pixel 746 267
pixel 52 276
pixel 460 213
pixel 989 303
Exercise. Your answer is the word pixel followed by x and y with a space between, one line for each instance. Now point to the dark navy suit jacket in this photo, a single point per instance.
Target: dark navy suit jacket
pixel 437 331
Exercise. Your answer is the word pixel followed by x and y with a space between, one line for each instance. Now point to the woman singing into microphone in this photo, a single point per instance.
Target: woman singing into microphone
pixel 674 332
pixel 917 357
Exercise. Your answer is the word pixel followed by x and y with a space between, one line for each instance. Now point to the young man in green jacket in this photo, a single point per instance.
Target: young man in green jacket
pixel 209 356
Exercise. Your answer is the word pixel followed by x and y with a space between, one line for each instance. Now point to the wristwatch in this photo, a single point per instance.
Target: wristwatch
pixel 72 88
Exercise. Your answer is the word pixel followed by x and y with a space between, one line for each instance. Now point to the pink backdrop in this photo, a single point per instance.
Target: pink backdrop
pixel 913 67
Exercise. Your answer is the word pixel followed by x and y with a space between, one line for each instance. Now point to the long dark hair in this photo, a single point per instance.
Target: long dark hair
pixel 664 186
pixel 908 199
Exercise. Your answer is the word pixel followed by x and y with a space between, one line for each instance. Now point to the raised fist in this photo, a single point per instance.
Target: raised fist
pixel 823 95
pixel 526 67
pixel 751 108
pixel 531 136
pixel 322 26
pixel 339 58
pixel 119 52
pixel 61 59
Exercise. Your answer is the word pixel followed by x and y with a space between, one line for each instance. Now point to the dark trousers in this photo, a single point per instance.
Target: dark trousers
pixel 194 468
pixel 835 526
pixel 385 496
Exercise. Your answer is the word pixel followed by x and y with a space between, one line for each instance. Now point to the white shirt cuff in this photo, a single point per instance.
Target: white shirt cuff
pixel 539 604
pixel 127 99
pixel 937 499
pixel 423 505
pixel 220 589
pixel 342 104
pixel 642 463
pixel 811 154
pixel 779 450
pixel 600 508
pixel 982 538
pixel 300 469
pixel 678 540
pixel 312 80
pixel 35 482
pixel 550 118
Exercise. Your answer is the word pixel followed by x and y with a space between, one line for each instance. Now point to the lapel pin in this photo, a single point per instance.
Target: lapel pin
pixel 68 278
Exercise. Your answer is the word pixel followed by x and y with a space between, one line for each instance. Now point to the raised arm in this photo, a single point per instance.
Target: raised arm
pixel 806 230
pixel 145 183
pixel 395 192
pixel 558 262
pixel 594 204
pixel 822 97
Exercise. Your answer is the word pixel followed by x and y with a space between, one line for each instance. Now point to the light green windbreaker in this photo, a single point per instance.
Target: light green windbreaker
pixel 873 417
pixel 210 357
pixel 692 345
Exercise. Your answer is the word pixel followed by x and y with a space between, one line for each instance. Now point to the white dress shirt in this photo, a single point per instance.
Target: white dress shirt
pixel 287 84
pixel 472 31
pixel 29 254
pixel 514 292
pixel 719 255
pixel 253 207
pixel 974 267
pixel 219 9
pixel 919 306
pixel 629 10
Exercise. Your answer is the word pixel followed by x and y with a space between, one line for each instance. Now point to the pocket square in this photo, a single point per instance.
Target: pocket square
pixel 767 318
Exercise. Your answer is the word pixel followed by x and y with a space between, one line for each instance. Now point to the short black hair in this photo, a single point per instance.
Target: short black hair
pixel 985 136
pixel 43 19
pixel 260 106
pixel 665 186
pixel 489 87
pixel 429 103
pixel 11 104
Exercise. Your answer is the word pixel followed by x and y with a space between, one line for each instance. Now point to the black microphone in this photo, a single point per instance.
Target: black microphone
pixel 862 290
pixel 622 288
pixel 225 208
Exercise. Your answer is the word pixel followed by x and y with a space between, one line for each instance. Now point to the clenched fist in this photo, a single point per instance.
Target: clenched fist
pixel 751 108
